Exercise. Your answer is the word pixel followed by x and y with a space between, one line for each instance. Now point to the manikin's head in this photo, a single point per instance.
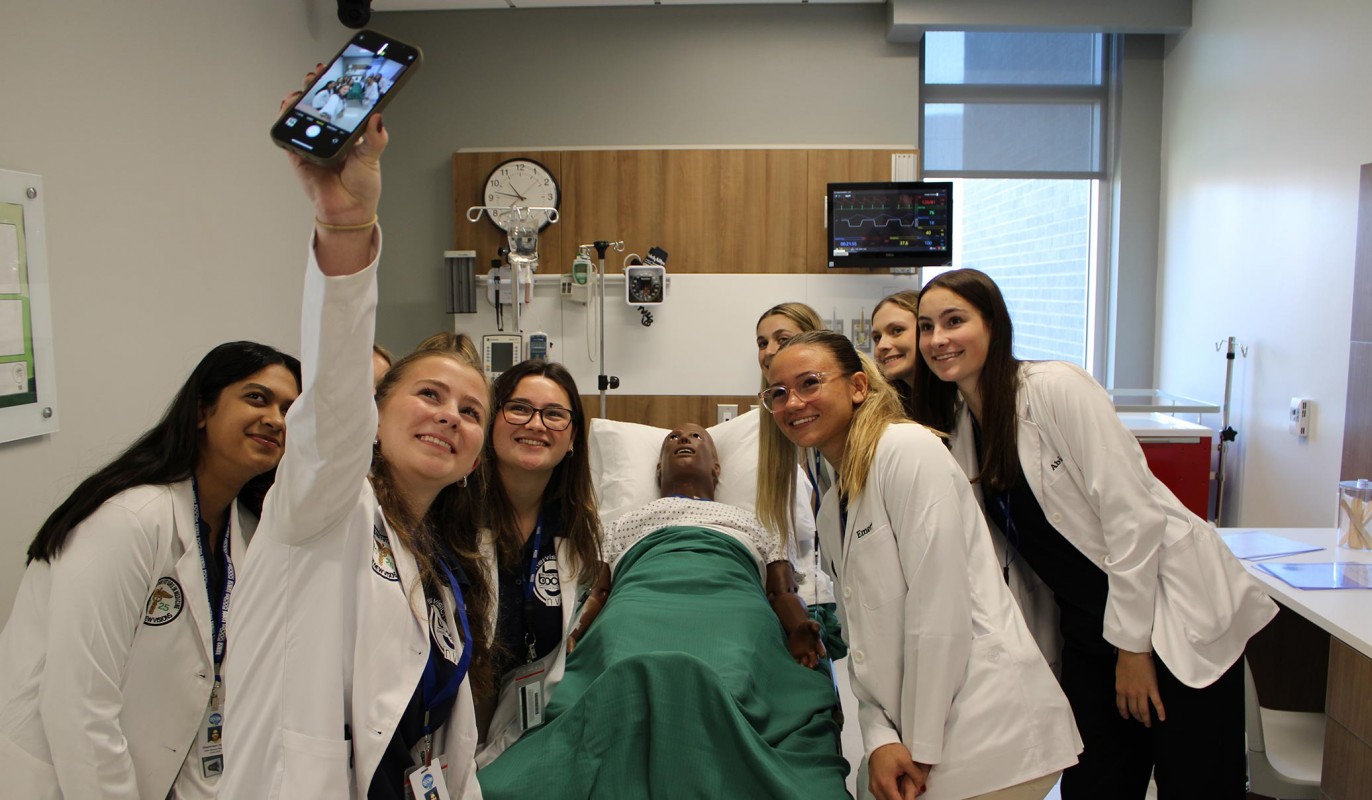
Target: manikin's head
pixel 688 464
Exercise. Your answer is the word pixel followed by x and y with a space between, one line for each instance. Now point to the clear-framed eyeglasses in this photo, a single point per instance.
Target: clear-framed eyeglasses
pixel 774 398
pixel 518 412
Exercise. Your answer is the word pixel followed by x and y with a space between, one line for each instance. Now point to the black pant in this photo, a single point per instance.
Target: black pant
pixel 1199 752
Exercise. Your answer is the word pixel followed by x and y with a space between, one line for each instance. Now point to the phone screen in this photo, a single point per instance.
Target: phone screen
pixel 356 83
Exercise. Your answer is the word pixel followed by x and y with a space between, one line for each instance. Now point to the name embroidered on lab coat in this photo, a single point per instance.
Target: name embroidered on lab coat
pixel 863 532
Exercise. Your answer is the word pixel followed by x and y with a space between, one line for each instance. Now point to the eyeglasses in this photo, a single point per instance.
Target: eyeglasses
pixel 775 398
pixel 555 418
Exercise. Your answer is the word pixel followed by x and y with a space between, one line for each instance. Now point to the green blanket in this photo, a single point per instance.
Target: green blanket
pixel 683 688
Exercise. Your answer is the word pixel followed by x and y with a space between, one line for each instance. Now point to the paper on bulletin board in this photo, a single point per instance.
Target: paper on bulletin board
pixel 9 260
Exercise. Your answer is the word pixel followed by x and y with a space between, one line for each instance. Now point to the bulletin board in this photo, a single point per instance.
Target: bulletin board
pixel 28 388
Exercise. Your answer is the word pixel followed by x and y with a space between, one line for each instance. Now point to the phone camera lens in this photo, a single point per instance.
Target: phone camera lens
pixel 355 13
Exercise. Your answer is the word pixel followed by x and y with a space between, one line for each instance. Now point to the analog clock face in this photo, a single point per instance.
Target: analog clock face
pixel 520 183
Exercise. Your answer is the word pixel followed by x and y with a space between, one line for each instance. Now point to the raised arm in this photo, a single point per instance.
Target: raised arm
pixel 333 424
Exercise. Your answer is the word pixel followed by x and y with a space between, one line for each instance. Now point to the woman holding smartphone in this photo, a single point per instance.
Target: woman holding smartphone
pixel 357 633
pixel 110 663
pixel 954 699
pixel 541 537
pixel 1154 611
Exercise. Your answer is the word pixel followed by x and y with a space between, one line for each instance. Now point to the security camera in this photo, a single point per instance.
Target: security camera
pixel 355 13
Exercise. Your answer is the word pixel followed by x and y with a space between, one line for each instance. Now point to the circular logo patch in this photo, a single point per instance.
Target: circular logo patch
pixel 164 604
pixel 546 583
pixel 442 634
pixel 383 560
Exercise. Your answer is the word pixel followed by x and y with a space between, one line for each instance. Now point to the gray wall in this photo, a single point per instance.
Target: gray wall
pixel 173 224
pixel 619 77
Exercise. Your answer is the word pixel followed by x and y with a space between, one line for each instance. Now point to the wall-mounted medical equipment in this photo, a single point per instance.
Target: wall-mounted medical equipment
pixel 459 268
pixel 521 224
pixel 892 224
pixel 539 345
pixel 645 285
pixel 499 352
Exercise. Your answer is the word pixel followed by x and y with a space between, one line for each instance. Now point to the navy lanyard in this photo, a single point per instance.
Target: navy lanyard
pixel 432 695
pixel 812 473
pixel 219 612
pixel 530 638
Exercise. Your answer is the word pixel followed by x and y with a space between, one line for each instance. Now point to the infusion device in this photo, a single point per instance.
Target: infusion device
pixel 538 345
pixel 500 352
pixel 645 285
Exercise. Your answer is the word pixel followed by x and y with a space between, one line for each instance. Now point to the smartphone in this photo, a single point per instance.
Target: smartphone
pixel 323 125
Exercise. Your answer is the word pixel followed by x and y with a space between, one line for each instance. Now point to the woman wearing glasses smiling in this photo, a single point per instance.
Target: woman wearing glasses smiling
pixel 542 540
pixel 954 698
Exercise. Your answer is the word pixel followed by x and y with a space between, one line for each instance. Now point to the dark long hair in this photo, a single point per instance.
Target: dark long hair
pixel 569 488
pixel 169 451
pixel 451 524
pixel 936 401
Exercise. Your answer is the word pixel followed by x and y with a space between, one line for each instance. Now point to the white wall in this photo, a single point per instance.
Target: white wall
pixel 173 223
pixel 1268 115
pixel 701 339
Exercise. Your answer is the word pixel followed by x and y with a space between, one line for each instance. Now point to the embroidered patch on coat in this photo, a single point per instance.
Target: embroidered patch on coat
pixel 442 634
pixel 547 587
pixel 164 604
pixel 383 560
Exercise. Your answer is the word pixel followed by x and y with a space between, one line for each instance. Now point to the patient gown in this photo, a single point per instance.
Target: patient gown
pixel 683 688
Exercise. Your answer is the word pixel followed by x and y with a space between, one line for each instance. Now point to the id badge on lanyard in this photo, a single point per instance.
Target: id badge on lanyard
pixel 426 780
pixel 209 736
pixel 523 696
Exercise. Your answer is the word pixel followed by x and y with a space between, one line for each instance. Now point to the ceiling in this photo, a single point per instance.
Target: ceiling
pixel 469 5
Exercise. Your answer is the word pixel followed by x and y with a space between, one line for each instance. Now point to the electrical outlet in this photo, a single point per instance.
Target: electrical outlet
pixel 861 334
pixel 725 412
pixel 1299 420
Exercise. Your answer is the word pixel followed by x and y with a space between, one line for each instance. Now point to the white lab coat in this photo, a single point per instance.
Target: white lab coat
pixel 504 730
pixel 1174 586
pixel 939 656
pixel 99 697
pixel 321 639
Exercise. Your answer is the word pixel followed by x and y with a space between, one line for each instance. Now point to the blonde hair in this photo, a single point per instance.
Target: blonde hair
pixel 459 343
pixel 907 299
pixel 879 409
pixel 775 452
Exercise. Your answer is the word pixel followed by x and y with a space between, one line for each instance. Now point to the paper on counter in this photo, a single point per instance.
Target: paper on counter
pixel 1322 576
pixel 1255 545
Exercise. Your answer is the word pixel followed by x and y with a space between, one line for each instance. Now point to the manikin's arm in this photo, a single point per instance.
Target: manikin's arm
pixel 600 592
pixel 802 633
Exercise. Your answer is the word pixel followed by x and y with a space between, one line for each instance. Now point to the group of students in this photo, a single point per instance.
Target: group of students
pixel 182 632
pixel 331 100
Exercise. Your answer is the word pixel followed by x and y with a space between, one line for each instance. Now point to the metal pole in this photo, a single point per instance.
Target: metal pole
pixel 604 380
pixel 1227 434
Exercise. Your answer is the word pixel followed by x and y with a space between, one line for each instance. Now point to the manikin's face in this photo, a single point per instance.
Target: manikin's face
pixel 688 450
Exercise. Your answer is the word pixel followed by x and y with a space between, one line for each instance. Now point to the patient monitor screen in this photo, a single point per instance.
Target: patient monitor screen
pixel 902 224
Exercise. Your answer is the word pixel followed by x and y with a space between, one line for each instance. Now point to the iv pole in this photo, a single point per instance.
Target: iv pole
pixel 1227 434
pixel 604 381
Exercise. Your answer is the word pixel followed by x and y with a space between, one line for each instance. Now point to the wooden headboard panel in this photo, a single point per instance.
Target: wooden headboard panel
pixel 713 211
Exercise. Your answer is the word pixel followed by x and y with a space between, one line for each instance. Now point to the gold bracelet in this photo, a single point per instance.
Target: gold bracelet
pixel 363 226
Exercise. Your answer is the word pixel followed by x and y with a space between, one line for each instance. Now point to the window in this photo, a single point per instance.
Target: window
pixel 1017 120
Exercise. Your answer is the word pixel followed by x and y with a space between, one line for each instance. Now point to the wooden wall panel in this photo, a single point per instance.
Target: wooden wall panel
pixel 663 411
pixel 713 211
pixel 1347 772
